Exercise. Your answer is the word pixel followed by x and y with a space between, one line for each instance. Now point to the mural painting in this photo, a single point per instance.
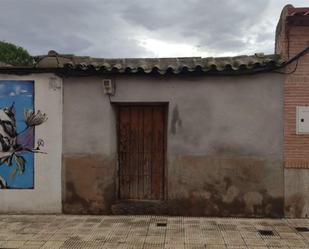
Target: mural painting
pixel 17 126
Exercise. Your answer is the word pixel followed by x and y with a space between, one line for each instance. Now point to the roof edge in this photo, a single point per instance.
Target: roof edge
pixel 281 23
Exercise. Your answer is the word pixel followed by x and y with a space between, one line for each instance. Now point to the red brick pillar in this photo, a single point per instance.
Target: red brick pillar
pixel 292 37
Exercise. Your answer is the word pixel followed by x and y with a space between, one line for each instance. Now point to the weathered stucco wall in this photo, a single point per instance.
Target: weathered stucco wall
pixel 45 197
pixel 89 165
pixel 224 143
pixel 296 193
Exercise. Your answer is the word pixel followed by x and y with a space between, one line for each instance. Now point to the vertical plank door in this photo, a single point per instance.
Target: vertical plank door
pixel 141 151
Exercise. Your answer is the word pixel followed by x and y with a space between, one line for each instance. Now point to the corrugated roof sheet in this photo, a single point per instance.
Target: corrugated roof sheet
pixel 159 65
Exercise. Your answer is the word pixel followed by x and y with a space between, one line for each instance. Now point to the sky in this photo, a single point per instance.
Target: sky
pixel 143 28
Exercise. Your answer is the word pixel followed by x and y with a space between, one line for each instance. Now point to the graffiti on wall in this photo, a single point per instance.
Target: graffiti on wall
pixel 17 128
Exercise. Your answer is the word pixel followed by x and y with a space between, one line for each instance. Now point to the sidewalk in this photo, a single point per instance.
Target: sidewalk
pixel 143 232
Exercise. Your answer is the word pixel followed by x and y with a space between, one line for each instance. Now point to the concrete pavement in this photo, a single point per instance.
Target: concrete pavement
pixel 144 232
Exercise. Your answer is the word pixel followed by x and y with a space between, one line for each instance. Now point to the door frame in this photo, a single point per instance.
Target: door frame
pixel 165 106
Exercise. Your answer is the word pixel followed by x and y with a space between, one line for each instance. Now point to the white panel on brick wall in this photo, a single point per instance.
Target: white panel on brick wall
pixel 302 120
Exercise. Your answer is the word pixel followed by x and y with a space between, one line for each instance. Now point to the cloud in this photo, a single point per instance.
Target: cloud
pixel 9 89
pixel 79 27
pixel 119 28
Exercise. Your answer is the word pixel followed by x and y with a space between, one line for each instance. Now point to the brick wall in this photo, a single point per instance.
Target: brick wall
pixel 292 39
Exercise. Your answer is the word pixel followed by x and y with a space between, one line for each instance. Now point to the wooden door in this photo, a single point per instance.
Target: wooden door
pixel 141 151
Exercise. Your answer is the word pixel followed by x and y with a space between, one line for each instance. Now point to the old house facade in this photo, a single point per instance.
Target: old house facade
pixel 179 136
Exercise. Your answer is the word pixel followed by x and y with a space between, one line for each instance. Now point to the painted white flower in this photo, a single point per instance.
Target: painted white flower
pixel 2 183
pixel 32 119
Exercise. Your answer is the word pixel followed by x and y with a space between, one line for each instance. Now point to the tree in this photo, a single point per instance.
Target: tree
pixel 14 55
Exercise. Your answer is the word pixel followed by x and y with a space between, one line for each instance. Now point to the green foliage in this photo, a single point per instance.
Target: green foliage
pixel 14 55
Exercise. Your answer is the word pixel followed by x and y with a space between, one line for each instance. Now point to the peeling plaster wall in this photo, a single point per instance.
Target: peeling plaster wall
pixel 224 143
pixel 46 195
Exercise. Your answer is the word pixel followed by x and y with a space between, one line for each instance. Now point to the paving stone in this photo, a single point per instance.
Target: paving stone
pixel 12 244
pixel 52 245
pixel 216 247
pixel 297 243
pixel 236 247
pixel 260 247
pixel 142 232
pixel 174 246
pixel 194 246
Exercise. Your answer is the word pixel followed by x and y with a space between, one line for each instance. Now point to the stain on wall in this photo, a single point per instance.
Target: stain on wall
pixel 240 186
pixel 176 122
pixel 89 184
pixel 296 193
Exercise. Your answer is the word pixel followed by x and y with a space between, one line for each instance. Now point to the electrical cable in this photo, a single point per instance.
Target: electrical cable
pixel 293 71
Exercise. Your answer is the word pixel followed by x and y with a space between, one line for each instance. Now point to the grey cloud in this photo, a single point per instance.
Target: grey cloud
pixel 216 24
pixel 265 36
pixel 103 28
pixel 67 26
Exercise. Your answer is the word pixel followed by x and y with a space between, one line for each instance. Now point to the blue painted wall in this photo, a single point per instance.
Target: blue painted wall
pixel 22 94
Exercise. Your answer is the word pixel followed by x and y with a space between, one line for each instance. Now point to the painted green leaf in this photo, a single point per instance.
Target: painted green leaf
pixel 14 172
pixel 20 162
